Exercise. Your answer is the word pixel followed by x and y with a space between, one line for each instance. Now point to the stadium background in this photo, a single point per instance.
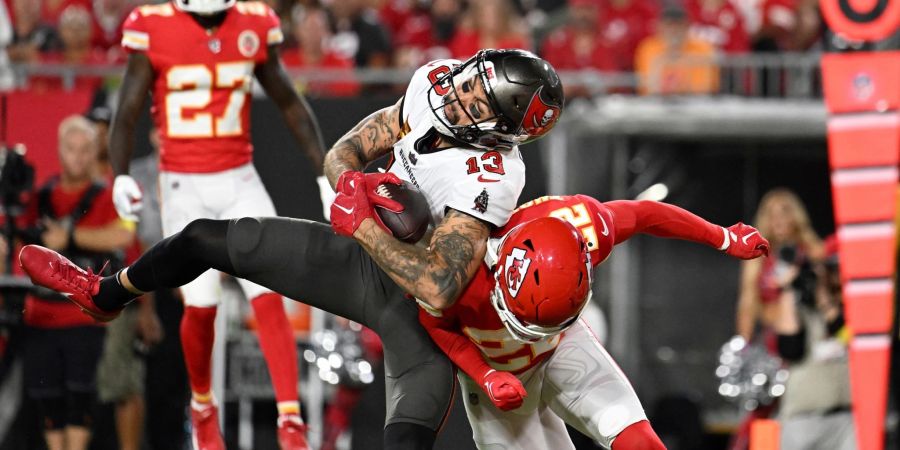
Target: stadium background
pixel 669 305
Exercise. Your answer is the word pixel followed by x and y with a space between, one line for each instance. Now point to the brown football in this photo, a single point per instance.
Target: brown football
pixel 410 224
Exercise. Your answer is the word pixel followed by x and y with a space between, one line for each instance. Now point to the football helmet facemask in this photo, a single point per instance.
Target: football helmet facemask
pixel 204 7
pixel 524 93
pixel 543 279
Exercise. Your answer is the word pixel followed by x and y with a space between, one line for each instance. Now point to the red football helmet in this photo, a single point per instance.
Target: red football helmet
pixel 543 278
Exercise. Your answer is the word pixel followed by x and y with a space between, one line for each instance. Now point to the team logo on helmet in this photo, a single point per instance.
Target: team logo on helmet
pixel 516 267
pixel 539 117
pixel 248 43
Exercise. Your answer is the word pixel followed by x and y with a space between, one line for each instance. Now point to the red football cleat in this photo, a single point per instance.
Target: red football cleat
pixel 205 434
pixel 291 433
pixel 51 270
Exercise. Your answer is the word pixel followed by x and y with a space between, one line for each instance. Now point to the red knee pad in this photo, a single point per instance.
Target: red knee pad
pixel 638 436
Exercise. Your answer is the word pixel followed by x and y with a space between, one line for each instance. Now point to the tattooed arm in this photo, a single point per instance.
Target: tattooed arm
pixel 368 140
pixel 438 274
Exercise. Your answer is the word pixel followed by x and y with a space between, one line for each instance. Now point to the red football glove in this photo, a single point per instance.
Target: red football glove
pixel 504 389
pixel 744 242
pixel 356 194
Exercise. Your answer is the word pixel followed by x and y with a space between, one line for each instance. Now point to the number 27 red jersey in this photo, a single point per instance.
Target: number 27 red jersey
pixel 202 80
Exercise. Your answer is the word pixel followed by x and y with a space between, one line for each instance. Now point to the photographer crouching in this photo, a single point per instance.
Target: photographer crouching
pixel 814 412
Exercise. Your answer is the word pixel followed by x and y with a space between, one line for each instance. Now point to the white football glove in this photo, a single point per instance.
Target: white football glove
pixel 127 197
pixel 327 194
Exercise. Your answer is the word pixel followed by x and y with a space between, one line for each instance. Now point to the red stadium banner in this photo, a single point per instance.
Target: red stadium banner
pixel 863 96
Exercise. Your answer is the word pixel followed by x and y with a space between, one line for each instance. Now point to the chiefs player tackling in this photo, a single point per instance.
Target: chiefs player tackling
pixel 531 365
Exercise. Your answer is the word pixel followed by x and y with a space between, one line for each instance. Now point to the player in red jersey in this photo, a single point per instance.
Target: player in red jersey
pixel 199 57
pixel 510 345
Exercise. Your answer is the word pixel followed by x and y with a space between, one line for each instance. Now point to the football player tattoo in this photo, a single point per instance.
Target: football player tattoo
pixel 436 274
pixel 368 140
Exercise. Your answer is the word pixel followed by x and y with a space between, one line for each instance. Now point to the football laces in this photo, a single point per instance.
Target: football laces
pixel 383 191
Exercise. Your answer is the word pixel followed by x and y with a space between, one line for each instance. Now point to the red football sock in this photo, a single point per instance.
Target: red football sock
pixel 198 332
pixel 277 343
pixel 638 436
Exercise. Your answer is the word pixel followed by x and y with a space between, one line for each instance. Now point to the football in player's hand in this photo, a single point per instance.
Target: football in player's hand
pixel 410 224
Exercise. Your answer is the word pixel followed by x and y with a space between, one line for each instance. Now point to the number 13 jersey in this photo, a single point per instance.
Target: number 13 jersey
pixel 484 184
pixel 202 81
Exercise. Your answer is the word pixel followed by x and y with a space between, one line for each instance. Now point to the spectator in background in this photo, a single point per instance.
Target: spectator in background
pixel 427 34
pixel 394 14
pixel 120 374
pixel 578 45
pixel 166 387
pixel 781 218
pixel 76 216
pixel 815 410
pixel 108 16
pixel 76 34
pixel 312 33
pixel 719 23
pixel 489 24
pixel 30 37
pixel 359 34
pixel 624 24
pixel 780 25
pixel 51 10
pixel 810 30
pixel 672 62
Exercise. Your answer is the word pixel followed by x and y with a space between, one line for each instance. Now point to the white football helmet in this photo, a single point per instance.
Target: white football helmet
pixel 205 7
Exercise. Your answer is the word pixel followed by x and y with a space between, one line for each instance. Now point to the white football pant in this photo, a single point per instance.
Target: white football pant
pixel 233 193
pixel 578 384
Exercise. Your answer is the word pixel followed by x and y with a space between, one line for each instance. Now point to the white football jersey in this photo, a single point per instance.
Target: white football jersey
pixel 482 183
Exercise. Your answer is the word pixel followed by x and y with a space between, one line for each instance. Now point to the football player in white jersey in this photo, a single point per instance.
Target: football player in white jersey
pixel 454 134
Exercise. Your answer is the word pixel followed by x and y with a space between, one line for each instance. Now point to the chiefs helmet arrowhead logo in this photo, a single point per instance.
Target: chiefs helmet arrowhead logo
pixel 516 267
pixel 539 117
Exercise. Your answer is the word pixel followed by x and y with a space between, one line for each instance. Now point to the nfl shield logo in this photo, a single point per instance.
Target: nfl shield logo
pixel 215 45
pixel 863 86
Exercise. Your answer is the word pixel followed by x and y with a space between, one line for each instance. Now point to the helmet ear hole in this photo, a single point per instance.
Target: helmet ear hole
pixel 529 244
pixel 537 278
